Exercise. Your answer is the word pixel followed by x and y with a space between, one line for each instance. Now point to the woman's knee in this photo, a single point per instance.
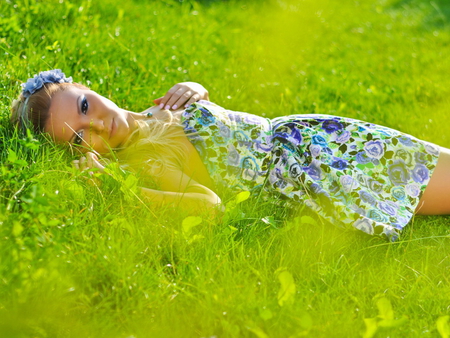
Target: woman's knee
pixel 436 198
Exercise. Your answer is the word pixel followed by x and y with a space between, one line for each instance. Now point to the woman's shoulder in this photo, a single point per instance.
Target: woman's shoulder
pixel 211 108
pixel 208 113
pixel 208 105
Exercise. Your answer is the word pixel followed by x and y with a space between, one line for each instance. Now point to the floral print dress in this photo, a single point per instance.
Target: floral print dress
pixel 352 173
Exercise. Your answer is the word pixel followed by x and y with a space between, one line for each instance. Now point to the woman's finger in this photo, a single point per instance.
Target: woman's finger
pixel 76 164
pixel 82 163
pixel 180 94
pixel 94 162
pixel 168 95
pixel 192 99
pixel 183 99
pixel 157 101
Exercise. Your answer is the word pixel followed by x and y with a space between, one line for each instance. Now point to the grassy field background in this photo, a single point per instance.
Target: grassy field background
pixel 79 261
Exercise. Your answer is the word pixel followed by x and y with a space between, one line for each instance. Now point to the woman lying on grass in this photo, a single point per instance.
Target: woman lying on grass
pixel 350 172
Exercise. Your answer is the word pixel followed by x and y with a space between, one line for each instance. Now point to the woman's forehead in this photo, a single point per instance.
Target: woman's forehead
pixel 66 96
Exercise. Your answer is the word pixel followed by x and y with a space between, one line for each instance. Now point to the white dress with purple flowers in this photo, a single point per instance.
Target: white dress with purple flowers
pixel 350 172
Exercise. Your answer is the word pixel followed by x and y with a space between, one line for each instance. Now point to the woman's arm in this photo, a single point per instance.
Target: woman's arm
pixel 182 95
pixel 177 188
pixel 180 190
pixel 194 200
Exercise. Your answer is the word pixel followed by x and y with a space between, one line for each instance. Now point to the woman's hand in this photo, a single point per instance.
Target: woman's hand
pixel 182 94
pixel 89 161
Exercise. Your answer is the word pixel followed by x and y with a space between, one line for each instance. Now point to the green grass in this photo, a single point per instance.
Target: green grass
pixel 79 261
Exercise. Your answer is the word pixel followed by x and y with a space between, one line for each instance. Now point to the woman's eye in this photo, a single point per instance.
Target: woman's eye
pixel 84 106
pixel 78 138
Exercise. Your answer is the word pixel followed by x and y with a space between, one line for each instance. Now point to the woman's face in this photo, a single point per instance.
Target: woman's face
pixel 80 116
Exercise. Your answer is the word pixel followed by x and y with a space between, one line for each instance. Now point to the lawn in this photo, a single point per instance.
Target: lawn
pixel 79 260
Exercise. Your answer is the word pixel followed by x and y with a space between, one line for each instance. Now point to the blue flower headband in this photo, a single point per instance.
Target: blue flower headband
pixel 37 82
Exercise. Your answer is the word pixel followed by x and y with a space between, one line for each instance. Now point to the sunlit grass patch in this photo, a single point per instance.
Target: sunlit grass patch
pixel 80 259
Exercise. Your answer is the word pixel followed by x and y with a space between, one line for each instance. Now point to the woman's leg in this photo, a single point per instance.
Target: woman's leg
pixel 436 198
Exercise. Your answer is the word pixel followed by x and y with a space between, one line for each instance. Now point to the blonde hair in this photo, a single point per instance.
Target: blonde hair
pixel 32 112
pixel 154 147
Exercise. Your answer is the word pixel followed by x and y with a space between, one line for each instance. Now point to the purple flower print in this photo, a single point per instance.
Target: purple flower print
pixel 224 130
pixel 234 117
pixel 398 172
pixel 190 131
pixel 365 225
pixel 374 149
pixel 252 119
pixel 412 190
pixel 405 140
pixel 187 114
pixel 314 171
pixel 262 146
pixel 233 156
pixel 362 158
pixel 327 150
pixel 339 164
pixel 420 173
pixel 295 137
pixel 280 135
pixel 432 149
pixel 402 221
pixel 315 150
pixel 367 198
pixel 331 126
pixel 348 183
pixel 343 137
pixel 389 208
pixel 358 209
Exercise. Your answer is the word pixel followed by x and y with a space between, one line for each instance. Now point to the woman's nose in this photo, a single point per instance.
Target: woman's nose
pixel 96 125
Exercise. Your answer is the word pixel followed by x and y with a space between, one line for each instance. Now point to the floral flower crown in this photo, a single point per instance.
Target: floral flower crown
pixel 37 82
